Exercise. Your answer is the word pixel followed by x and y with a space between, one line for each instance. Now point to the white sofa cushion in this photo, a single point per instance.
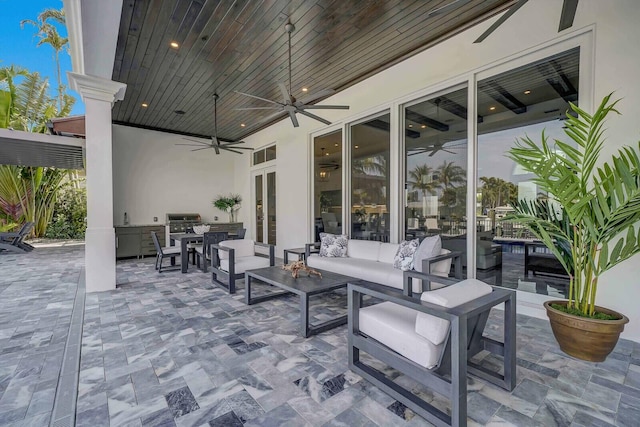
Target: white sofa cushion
pixel 245 263
pixel 333 245
pixel 243 247
pixel 434 328
pixel 387 252
pixel 430 247
pixel 394 326
pixel 404 257
pixel 363 249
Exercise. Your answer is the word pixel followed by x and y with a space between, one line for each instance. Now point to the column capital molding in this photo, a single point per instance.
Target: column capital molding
pixel 99 88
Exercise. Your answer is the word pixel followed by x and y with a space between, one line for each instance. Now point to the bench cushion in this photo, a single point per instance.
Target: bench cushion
pixel 394 326
pixel 431 246
pixel 387 252
pixel 245 263
pixel 436 329
pixel 363 249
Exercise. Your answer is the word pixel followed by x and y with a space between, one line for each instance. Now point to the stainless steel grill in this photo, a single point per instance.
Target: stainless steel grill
pixel 182 222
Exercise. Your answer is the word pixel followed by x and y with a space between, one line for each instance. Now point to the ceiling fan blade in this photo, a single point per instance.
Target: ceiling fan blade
pixel 317 95
pixel 257 97
pixel 568 13
pixel 232 150
pixel 226 147
pixel 230 142
pixel 313 116
pixel 194 145
pixel 257 108
pixel 200 149
pixel 285 93
pixel 449 151
pixel 324 107
pixel 500 21
pixel 294 119
pixel 447 7
pixel 198 141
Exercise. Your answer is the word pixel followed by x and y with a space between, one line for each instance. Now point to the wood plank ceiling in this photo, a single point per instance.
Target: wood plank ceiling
pixel 227 45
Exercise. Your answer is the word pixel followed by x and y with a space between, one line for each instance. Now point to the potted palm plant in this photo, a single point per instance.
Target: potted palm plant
pixel 588 222
pixel 229 204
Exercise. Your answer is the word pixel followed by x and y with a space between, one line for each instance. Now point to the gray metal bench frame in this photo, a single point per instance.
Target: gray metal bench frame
pixel 14 242
pixel 231 275
pixel 449 377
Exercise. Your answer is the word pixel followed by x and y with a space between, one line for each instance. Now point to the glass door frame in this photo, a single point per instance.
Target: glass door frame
pixel 265 210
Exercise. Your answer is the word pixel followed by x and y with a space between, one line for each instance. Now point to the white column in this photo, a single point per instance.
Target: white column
pixel 99 95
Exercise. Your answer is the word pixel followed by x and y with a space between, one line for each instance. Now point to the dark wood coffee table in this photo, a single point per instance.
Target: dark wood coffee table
pixel 304 287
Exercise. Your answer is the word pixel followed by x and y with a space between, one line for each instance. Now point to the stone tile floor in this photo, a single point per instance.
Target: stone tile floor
pixel 170 349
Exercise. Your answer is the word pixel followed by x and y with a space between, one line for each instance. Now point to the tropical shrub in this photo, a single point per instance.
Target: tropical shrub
pixel 69 214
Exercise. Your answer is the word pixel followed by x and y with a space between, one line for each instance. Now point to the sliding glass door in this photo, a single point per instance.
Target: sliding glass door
pixel 327 184
pixel 435 164
pixel 370 190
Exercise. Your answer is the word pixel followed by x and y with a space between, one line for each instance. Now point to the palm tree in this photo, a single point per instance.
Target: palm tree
pixel 8 92
pixel 421 178
pixel 48 34
pixel 497 192
pixel 450 174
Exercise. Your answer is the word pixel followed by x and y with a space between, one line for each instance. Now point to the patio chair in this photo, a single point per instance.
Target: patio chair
pixel 166 252
pixel 14 242
pixel 203 252
pixel 241 233
pixel 231 258
pixel 431 340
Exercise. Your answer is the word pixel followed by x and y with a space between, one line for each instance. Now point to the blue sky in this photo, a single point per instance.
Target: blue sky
pixel 19 45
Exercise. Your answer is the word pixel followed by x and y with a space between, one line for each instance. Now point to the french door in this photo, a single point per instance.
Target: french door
pixel 264 205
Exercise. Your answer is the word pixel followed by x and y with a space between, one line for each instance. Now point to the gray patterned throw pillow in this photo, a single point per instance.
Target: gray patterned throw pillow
pixel 404 257
pixel 332 245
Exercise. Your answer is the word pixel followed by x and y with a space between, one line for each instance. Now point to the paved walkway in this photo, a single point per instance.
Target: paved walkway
pixel 169 349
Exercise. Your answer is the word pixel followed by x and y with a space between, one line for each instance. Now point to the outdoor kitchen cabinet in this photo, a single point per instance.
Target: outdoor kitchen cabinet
pixel 135 240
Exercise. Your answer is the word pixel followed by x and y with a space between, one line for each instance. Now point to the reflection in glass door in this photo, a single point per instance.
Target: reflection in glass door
pixel 259 209
pixel 271 208
pixel 264 190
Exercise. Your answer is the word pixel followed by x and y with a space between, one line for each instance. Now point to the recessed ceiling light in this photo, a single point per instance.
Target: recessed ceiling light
pixel 355 146
pixel 336 144
pixel 527 92
pixel 326 154
pixel 180 112
pixel 410 126
pixel 242 125
pixel 304 89
pixel 423 126
pixel 145 105
pixel 492 108
pixel 174 45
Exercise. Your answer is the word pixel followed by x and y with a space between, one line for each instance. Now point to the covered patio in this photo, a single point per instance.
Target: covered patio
pixel 172 349
pixel 92 337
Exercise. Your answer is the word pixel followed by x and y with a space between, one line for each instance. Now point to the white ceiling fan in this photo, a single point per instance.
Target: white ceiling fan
pixel 290 104
pixel 216 143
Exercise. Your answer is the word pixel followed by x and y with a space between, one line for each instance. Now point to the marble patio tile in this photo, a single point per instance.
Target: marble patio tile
pixel 531 391
pixel 633 377
pixel 94 417
pixel 586 420
pixel 613 385
pixel 377 413
pixel 37 420
pixel 181 402
pixel 282 416
pixel 12 416
pixel 516 418
pixel 310 410
pixel 123 412
pixel 244 406
pixel 41 402
pixel 509 400
pixel 628 412
pixel 212 396
pixel 350 418
pixel 279 396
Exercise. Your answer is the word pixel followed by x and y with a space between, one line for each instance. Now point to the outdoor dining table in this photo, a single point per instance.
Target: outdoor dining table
pixel 185 239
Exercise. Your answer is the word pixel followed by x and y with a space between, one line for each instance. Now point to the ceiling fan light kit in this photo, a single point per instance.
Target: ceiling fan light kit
pixel 290 104
pixel 216 142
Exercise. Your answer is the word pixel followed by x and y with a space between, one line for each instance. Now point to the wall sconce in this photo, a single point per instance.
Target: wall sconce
pixel 323 175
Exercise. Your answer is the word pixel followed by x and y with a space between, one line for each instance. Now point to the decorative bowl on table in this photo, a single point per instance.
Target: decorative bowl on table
pixel 200 229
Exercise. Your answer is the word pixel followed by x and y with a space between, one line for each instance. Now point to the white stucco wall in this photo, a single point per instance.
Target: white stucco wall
pixel 616 66
pixel 152 177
